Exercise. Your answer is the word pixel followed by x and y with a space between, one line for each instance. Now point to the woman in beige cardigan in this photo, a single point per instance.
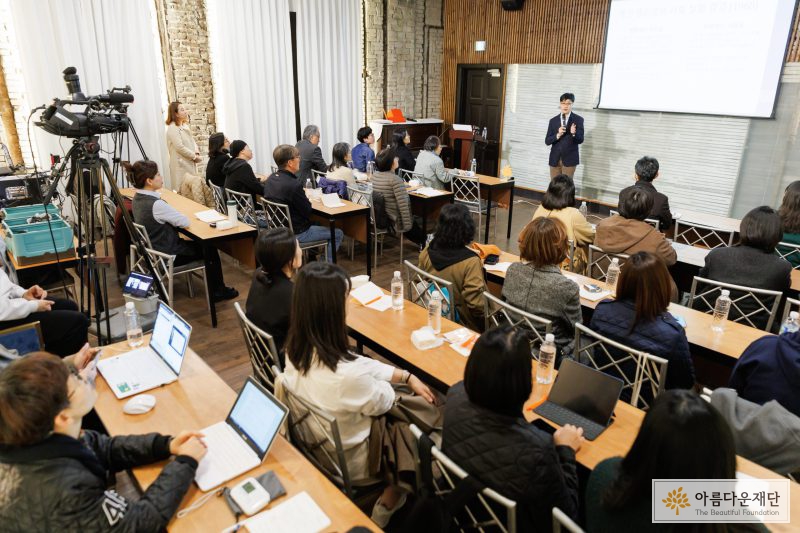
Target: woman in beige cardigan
pixel 183 152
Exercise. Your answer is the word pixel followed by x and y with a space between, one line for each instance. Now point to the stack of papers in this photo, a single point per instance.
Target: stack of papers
pixel 428 191
pixel 462 340
pixel 332 200
pixel 501 266
pixel 210 216
pixel 298 514
pixel 372 296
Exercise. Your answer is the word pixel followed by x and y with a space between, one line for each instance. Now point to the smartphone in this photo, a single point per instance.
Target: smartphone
pixel 491 259
pixel 591 287
pixel 212 224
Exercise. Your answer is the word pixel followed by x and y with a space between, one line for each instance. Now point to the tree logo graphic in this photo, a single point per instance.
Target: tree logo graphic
pixel 676 500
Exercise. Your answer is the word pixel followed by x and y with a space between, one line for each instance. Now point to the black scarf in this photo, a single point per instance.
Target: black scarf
pixel 443 258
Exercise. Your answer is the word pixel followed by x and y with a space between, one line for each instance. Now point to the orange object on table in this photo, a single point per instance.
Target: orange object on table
pixel 395 115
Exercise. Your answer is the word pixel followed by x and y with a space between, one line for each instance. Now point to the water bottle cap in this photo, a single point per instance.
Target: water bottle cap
pixel 725 292
pixel 129 305
pixel 549 337
pixel 615 261
pixel 397 273
pixel 794 315
pixel 436 295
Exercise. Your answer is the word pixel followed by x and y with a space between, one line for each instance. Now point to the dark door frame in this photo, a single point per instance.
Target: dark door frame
pixel 461 80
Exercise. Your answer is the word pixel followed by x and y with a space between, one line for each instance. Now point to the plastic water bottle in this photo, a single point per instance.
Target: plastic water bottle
pixel 370 169
pixel 612 275
pixel 583 209
pixel 547 355
pixel 792 323
pixel 435 312
pixel 308 183
pixel 473 167
pixel 485 132
pixel 232 215
pixel 133 325
pixel 721 309
pixel 397 291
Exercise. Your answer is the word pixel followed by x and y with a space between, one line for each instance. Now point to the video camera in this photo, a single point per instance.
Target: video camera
pixel 104 113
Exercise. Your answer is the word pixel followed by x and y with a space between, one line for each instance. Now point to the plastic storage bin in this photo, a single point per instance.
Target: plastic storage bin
pixel 34 240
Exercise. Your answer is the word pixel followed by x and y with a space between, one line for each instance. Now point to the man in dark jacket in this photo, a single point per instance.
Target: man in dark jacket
pixel 310 154
pixel 564 134
pixel 645 172
pixel 285 187
pixel 239 175
pixel 55 477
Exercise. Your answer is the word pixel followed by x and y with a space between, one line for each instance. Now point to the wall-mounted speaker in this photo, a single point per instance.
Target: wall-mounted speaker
pixel 512 5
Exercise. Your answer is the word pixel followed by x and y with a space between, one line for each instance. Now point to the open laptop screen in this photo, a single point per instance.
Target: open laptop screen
pixel 586 391
pixel 170 337
pixel 257 416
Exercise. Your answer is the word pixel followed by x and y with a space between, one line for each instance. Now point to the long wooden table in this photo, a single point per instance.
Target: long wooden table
pixel 198 399
pixel 500 190
pixel 428 206
pixel 443 367
pixel 354 220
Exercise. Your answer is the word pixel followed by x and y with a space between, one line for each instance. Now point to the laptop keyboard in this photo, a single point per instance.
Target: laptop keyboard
pixel 225 449
pixel 562 416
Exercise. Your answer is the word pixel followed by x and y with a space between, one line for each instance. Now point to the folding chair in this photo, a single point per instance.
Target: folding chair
pixel 790 252
pixel 261 348
pixel 561 520
pixel 644 375
pixel 409 175
pixel 420 284
pixel 695 234
pixel 364 197
pixel 756 308
pixel 599 261
pixel 278 216
pixel 502 313
pixel 219 198
pixel 467 191
pixel 245 208
pixel 315 176
pixel 652 221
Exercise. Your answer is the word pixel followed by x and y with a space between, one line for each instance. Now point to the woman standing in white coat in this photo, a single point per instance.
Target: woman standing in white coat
pixel 183 152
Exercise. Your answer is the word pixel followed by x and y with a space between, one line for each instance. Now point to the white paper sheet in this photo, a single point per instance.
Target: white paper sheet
pixel 367 293
pixel 501 266
pixel 332 200
pixel 429 191
pixel 382 304
pixel 210 216
pixel 298 514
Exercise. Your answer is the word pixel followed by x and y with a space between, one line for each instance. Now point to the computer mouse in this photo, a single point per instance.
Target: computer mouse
pixel 139 404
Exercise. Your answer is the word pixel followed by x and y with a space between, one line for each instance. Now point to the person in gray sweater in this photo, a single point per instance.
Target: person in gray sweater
pixel 395 195
pixel 536 285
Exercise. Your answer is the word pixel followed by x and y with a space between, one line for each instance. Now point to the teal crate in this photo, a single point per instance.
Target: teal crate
pixel 27 211
pixel 32 240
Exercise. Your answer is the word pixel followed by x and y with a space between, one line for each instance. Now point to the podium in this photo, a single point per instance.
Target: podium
pixel 464 147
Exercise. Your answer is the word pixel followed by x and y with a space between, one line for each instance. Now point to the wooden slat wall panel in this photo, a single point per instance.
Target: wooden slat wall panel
pixel 543 31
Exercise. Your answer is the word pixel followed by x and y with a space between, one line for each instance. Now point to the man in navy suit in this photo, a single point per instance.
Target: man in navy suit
pixel 564 134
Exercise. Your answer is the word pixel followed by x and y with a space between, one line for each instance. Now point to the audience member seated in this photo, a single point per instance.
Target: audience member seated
pixel 486 434
pixel 161 220
pixel 339 169
pixel 639 319
pixel 239 175
pixel 682 437
pixel 218 147
pixel 285 187
pixel 270 298
pixel 449 257
pixel 395 196
pixel 769 369
pixel 310 153
pixel 431 166
pixel 790 221
pixel 354 389
pixel 645 172
pixel 559 202
pixel 400 141
pixel 64 328
pixel 55 476
pixel 362 153
pixel 751 263
pixel 537 285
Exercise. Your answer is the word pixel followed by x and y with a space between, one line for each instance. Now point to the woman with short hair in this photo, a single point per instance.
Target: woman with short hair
pixel 270 298
pixel 322 370
pixel 218 146
pixel 639 319
pixel 430 165
pixel 559 202
pixel 400 141
pixel 181 146
pixel 536 284
pixel 486 434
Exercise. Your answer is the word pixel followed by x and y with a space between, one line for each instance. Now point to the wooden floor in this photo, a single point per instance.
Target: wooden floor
pixel 223 348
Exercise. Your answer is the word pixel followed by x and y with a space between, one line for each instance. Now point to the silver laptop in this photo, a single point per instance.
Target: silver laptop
pixel 241 441
pixel 150 366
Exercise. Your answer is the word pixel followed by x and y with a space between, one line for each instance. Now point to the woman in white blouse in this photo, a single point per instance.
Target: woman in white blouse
pixel 321 369
pixel 183 152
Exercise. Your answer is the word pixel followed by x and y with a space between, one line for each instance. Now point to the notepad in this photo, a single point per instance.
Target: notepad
pixel 502 266
pixel 298 514
pixel 332 200
pixel 210 216
pixel 429 191
pixel 367 293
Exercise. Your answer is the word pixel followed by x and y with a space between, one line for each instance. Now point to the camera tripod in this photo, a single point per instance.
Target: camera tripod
pixel 89 179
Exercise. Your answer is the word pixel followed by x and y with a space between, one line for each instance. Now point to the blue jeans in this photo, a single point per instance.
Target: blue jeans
pixel 321 233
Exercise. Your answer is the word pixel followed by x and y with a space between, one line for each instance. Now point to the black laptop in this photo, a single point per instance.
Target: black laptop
pixel 583 397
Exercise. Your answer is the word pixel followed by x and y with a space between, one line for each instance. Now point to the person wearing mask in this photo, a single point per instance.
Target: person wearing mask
pixel 161 221
pixel 239 175
pixel 181 146
pixel 682 437
pixel 536 284
pixel 639 319
pixel 362 152
pixel 559 202
pixel 486 434
pixel 310 153
pixel 790 222
pixel 751 263
pixel 55 475
pixel 395 195
pixel 218 155
pixel 270 298
pixel 285 187
pixel 430 165
pixel 449 257
pixel 322 370
pixel 400 141
pixel 645 172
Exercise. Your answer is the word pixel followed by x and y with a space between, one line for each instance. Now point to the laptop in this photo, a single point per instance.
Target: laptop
pixel 583 397
pixel 150 366
pixel 241 441
pixel 138 285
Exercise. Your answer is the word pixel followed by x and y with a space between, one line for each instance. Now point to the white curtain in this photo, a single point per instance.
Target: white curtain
pixel 329 69
pixel 112 43
pixel 251 60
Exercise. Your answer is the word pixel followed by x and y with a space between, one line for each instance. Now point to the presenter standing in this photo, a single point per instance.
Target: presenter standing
pixel 564 134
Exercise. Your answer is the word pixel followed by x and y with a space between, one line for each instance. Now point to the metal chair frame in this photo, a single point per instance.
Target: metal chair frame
pixel 261 348
pixel 650 370
pixel 695 234
pixel 245 207
pixel 419 284
pixel 408 175
pixel 219 198
pixel 278 216
pixel 652 221
pixel 499 313
pixel 467 191
pixel 315 176
pixel 790 304
pixel 794 252
pixel 364 197
pixel 561 520
pixel 760 296
pixel 595 259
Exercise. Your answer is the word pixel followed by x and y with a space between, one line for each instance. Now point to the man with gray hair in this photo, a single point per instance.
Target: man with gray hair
pixel 310 153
